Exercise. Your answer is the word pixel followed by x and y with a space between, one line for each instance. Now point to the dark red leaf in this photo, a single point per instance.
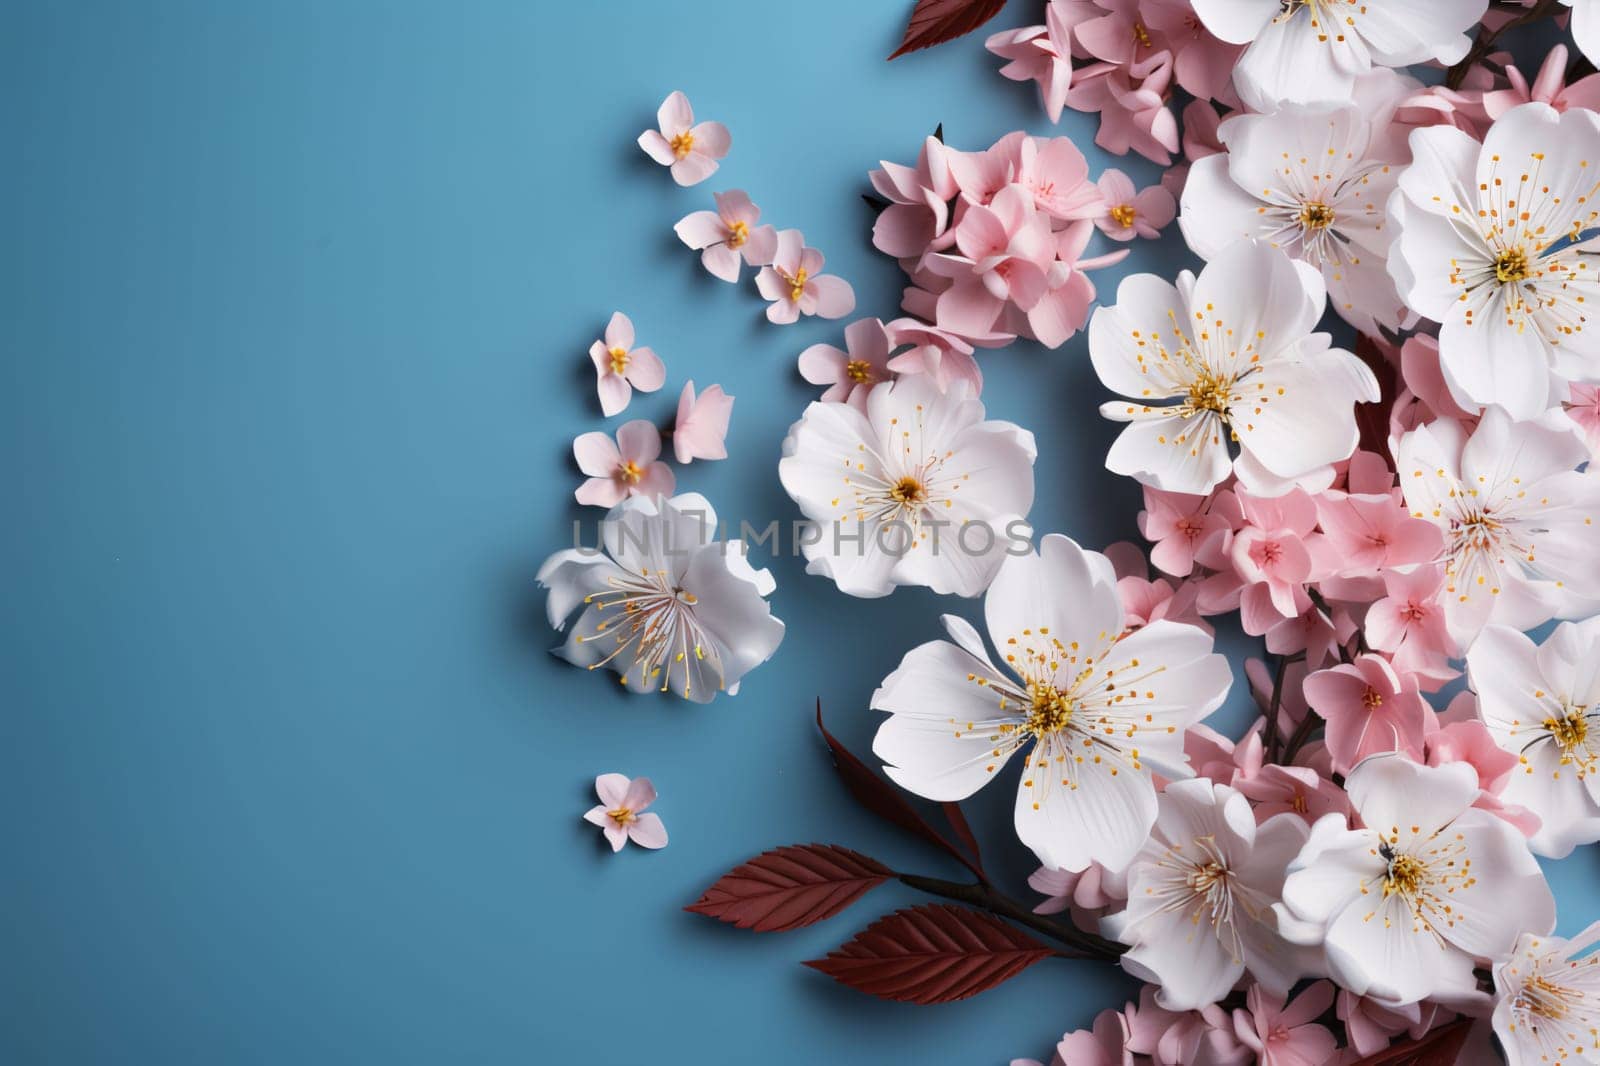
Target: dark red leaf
pixel 934 953
pixel 1439 1048
pixel 1372 419
pixel 936 21
pixel 789 888
pixel 882 799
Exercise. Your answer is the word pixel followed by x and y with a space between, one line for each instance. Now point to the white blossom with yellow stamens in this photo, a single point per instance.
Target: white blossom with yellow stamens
pixel 1200 899
pixel 917 489
pixel 665 605
pixel 1096 712
pixel 1429 884
pixel 1495 244
pixel 1518 518
pixel 1549 1000
pixel 1305 179
pixel 1542 704
pixel 1227 357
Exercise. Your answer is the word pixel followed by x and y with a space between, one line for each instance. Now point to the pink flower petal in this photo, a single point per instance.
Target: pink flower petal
pixel 701 229
pixel 647 831
pixel 597 454
pixel 604 492
pixel 657 147
pixel 611 788
pixel 615 392
pixel 835 298
pixel 645 370
pixel 693 168
pixel 675 116
pixel 641 793
pixel 619 331
pixel 638 442
pixel 712 138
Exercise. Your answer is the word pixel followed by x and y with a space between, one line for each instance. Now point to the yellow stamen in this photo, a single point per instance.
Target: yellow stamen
pixel 858 371
pixel 621 815
pixel 738 233
pixel 619 360
pixel 908 491
pixel 630 472
pixel 1511 266
pixel 682 144
pixel 797 284
pixel 1123 215
pixel 1316 215
pixel 1052 709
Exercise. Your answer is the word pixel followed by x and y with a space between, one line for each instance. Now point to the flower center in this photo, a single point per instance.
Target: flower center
pixel 630 472
pixel 1545 998
pixel 797 284
pixel 1141 35
pixel 908 491
pixel 1052 709
pixel 1316 216
pixel 1569 733
pixel 1123 215
pixel 1371 699
pixel 682 144
pixel 859 371
pixel 619 360
pixel 1202 879
pixel 1208 392
pixel 1511 266
pixel 1405 876
pixel 738 233
pixel 620 815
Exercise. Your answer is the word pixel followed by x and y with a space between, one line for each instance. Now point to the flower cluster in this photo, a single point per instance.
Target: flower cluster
pixel 1390 498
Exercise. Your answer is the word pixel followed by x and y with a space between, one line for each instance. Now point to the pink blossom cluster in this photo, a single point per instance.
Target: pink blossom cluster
pixel 1122 59
pixel 995 241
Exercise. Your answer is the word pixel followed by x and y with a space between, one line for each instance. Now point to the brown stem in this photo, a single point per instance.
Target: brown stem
pixel 1487 38
pixel 1084 945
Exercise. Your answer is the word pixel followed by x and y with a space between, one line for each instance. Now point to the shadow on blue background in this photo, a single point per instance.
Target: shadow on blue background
pixel 297 300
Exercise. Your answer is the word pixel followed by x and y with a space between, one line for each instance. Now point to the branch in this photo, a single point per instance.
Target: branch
pixel 1083 945
pixel 1486 39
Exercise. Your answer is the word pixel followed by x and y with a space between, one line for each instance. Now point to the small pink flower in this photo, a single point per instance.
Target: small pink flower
pixel 944 357
pixel 850 374
pixel 1131 213
pixel 620 367
pixel 626 467
pixel 1179 524
pixel 690 150
pixel 1549 87
pixel 1272 557
pixel 1409 623
pixel 1102 1046
pixel 1286 1035
pixel 1583 407
pixel 620 812
pixel 1132 103
pixel 1365 534
pixel 919 202
pixel 728 233
pixel 797 286
pixel 1369 709
pixel 1039 53
pixel 702 424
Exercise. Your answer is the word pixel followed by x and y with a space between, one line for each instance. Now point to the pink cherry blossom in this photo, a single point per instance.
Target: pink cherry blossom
pixel 1055 172
pixel 702 424
pixel 1369 709
pixel 1101 1046
pixel 1182 1038
pixel 620 367
pixel 1286 1035
pixel 728 234
pixel 1134 115
pixel 624 467
pixel 1368 533
pixel 1371 1026
pixel 1408 622
pixel 1463 737
pixel 1583 408
pixel 918 213
pixel 1130 212
pixel 621 812
pixel 1179 524
pixel 1549 87
pixel 1271 556
pixel 796 285
pixel 850 374
pixel 943 356
pixel 1041 54
pixel 690 150
pixel 1006 252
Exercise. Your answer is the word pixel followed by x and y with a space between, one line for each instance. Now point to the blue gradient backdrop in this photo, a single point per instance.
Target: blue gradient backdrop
pixel 295 304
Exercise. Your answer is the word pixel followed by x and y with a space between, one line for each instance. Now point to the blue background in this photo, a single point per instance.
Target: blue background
pixel 295 305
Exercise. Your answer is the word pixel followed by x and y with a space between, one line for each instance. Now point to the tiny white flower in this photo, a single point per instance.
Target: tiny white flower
pixel 1549 1000
pixel 1200 898
pixel 1405 905
pixel 1097 712
pixel 1542 704
pixel 1304 179
pixel 1227 357
pixel 1304 51
pixel 1490 245
pixel 1517 517
pixel 665 606
pixel 917 489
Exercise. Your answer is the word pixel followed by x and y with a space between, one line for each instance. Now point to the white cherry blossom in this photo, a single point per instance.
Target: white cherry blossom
pixel 1517 517
pixel 1303 51
pixel 1549 1000
pixel 664 605
pixel 1542 704
pixel 1200 898
pixel 917 489
pixel 1491 246
pixel 1227 357
pixel 1428 884
pixel 1304 179
pixel 1094 711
